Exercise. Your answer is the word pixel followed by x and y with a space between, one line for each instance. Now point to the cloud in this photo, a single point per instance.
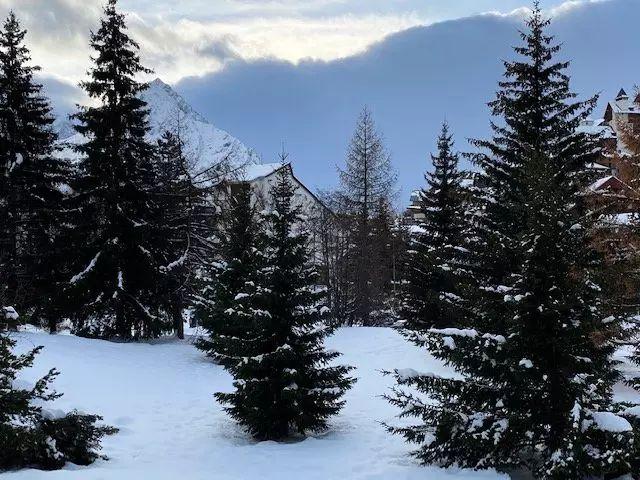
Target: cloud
pixel 412 81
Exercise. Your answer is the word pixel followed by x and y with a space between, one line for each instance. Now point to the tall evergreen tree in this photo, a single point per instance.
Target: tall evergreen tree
pixel 228 277
pixel 535 380
pixel 282 377
pixel 366 180
pixel 121 240
pixel 437 257
pixel 30 178
pixel 28 435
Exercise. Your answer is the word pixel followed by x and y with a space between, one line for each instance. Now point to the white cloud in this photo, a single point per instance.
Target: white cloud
pixel 195 37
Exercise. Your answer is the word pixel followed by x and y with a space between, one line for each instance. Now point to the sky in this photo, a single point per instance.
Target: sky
pixel 299 71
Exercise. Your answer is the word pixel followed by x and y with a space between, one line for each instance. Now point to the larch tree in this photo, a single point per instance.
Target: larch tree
pixel 534 363
pixel 30 180
pixel 283 378
pixel 180 199
pixel 117 221
pixel 366 180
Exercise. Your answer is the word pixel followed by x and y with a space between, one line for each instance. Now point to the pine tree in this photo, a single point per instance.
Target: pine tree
pixel 535 380
pixel 30 437
pixel 229 277
pixel 121 241
pixel 30 178
pixel 436 259
pixel 282 377
pixel 366 180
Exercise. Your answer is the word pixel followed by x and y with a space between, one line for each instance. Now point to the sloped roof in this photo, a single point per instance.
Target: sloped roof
pixel 608 183
pixel 251 173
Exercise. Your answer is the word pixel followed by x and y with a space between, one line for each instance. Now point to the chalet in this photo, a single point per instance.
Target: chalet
pixel 262 177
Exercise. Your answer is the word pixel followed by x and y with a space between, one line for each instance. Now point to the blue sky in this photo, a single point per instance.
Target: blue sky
pixel 299 71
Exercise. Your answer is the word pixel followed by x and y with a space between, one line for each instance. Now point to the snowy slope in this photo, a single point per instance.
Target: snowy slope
pixel 161 398
pixel 205 145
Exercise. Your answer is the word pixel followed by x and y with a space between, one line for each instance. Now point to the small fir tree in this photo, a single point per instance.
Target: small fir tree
pixel 437 256
pixel 282 377
pixel 118 224
pixel 535 366
pixel 29 436
pixel 229 278
pixel 30 178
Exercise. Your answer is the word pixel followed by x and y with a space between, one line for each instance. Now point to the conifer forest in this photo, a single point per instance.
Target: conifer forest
pixel 174 304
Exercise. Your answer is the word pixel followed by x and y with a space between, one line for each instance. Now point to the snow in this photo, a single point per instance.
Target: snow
pixel 455 332
pixel 526 363
pixel 161 397
pixel 76 278
pixel 204 144
pixel 251 173
pixel 600 183
pixel 10 313
pixel 610 422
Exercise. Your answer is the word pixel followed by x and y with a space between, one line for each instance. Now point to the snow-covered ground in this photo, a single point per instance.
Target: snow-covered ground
pixel 161 398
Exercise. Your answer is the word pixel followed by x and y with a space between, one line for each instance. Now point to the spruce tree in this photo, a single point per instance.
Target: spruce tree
pixel 30 178
pixel 229 277
pixel 30 436
pixel 534 361
pixel 121 240
pixel 283 382
pixel 436 258
pixel 366 180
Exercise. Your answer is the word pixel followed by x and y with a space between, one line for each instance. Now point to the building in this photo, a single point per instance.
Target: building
pixel 263 177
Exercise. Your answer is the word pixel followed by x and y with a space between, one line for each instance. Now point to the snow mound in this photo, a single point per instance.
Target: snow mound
pixel 610 422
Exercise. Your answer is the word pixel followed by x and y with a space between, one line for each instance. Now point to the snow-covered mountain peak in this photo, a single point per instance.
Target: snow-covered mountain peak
pixel 163 99
pixel 204 144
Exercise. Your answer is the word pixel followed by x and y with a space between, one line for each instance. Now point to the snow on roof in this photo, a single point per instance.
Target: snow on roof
pixel 619 220
pixel 597 166
pixel 596 127
pixel 252 172
pixel 624 104
pixel 600 183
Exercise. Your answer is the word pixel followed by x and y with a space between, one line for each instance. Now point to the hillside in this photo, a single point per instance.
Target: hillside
pixel 205 144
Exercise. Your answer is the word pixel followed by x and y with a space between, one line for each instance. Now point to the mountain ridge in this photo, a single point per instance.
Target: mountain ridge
pixel 204 144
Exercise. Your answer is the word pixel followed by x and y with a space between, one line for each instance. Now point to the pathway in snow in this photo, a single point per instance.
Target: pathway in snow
pixel 161 398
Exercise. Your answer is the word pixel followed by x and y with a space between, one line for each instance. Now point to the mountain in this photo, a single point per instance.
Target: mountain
pixel 205 145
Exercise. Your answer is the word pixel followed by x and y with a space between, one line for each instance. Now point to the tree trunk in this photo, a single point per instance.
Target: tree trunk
pixel 178 321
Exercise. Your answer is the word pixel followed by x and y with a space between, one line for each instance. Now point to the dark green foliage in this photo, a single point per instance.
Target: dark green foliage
pixel 228 277
pixel 535 354
pixel 284 383
pixel 120 237
pixel 29 437
pixel 436 260
pixel 30 178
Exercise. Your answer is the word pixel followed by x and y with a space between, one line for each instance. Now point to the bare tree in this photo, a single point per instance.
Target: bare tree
pixel 366 180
